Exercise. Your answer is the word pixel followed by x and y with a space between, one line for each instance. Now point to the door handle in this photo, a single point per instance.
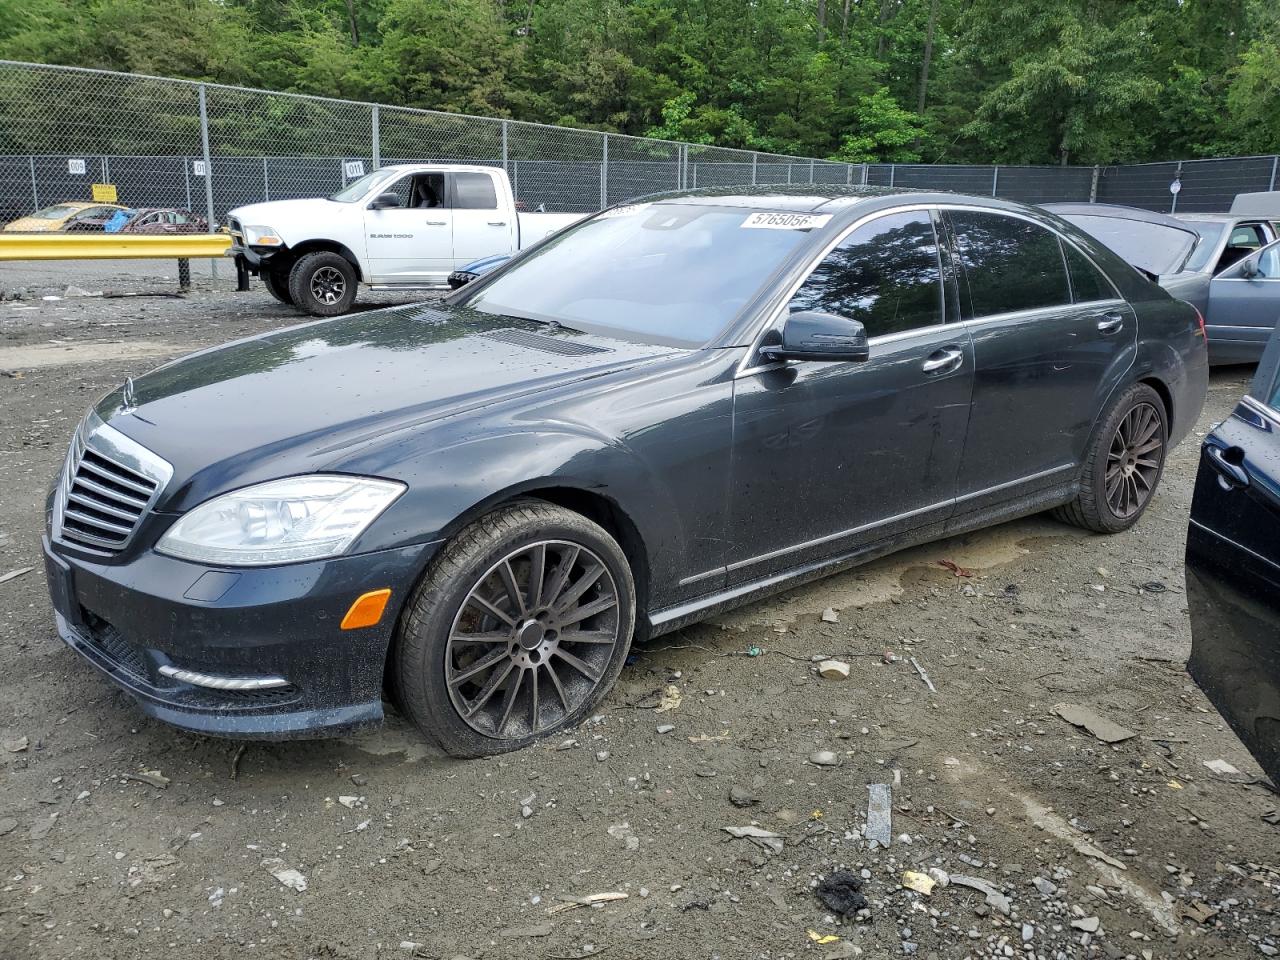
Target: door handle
pixel 437 223
pixel 1232 475
pixel 943 361
pixel 497 223
pixel 1111 322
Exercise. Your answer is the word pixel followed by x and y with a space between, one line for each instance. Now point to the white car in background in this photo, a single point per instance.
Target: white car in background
pixel 399 228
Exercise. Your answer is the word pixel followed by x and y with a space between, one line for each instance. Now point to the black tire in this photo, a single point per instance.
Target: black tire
pixel 1100 505
pixel 278 286
pixel 323 284
pixel 526 691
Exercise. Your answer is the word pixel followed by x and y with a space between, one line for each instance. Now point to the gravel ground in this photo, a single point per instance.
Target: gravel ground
pixel 120 838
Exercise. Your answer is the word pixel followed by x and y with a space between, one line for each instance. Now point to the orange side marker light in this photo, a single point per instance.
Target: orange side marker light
pixel 367 610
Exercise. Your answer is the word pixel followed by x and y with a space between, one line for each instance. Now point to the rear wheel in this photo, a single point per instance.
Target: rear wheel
pixel 278 286
pixel 323 283
pixel 1124 464
pixel 518 630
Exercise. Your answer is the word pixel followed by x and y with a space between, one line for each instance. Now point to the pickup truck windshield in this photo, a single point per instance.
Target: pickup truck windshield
pixel 671 273
pixel 356 189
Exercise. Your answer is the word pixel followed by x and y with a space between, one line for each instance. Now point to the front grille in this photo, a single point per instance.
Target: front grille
pixel 108 484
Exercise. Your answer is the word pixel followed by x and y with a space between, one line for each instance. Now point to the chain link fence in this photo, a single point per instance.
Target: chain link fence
pixel 207 148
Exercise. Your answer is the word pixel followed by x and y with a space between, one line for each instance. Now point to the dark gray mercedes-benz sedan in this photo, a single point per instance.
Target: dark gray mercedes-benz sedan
pixel 474 506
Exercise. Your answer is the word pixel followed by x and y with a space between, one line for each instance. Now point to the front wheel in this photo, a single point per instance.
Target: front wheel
pixel 323 283
pixel 518 630
pixel 1124 464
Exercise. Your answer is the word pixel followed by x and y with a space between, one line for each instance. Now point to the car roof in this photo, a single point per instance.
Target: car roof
pixel 1216 217
pixel 799 197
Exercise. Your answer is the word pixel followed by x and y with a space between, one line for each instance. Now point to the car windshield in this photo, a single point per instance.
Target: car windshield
pixel 670 273
pixel 1210 234
pixel 54 213
pixel 356 189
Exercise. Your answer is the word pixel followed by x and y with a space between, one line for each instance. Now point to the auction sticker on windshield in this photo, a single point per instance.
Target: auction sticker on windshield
pixel 786 221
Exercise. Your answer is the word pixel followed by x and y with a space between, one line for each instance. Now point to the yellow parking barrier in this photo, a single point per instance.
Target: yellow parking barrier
pixel 111 246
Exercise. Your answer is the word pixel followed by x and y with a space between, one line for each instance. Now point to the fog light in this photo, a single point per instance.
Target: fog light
pixel 367 610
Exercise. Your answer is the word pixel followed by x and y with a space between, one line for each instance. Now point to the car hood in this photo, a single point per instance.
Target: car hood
pixel 1150 241
pixel 302 399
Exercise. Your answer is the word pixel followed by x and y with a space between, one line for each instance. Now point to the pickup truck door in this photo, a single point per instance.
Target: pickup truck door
pixel 482 225
pixel 412 244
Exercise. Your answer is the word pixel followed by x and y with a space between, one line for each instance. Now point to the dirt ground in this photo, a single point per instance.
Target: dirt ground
pixel 1134 849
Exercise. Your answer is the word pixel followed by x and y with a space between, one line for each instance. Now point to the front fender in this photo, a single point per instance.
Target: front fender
pixel 451 485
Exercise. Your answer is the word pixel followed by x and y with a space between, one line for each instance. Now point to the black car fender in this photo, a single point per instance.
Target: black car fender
pixel 450 487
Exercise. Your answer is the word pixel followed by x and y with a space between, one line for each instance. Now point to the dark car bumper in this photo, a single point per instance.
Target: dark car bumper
pixel 131 619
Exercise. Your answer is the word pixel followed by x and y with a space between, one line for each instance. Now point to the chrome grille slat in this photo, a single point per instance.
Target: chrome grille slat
pixel 138 503
pixel 108 485
pixel 88 521
pixel 134 485
pixel 94 503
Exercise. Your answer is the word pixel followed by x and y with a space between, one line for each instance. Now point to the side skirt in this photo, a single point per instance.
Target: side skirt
pixel 681 615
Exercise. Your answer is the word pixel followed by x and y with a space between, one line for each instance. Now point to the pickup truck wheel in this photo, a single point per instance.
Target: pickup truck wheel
pixel 323 284
pixel 277 285
pixel 1124 464
pixel 517 631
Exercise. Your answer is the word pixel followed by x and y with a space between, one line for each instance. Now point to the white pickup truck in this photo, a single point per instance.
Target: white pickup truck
pixel 398 228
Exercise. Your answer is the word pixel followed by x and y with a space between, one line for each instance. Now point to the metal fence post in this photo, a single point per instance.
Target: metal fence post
pixel 788 171
pixel 1173 205
pixel 266 182
pixel 995 179
pixel 848 173
pixel 504 148
pixel 1093 187
pixel 755 157
pixel 35 193
pixel 1275 162
pixel 376 137
pixel 866 169
pixel 811 170
pixel 604 172
pixel 208 170
pixel 186 176
pixel 893 168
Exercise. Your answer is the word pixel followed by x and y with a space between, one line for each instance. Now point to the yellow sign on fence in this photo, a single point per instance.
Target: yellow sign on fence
pixel 104 193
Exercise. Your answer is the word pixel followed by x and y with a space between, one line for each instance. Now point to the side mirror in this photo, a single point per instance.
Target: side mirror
pixel 810 335
pixel 1249 268
pixel 385 201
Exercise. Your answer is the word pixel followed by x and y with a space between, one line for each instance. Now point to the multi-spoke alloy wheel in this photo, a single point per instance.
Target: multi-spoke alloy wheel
pixel 1134 460
pixel 323 283
pixel 328 285
pixel 532 639
pixel 1122 464
pixel 518 629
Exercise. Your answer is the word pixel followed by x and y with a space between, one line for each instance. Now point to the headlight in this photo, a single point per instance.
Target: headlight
pixel 284 521
pixel 261 237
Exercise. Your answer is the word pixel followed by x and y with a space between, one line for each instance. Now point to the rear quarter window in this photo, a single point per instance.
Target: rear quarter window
pixel 1087 282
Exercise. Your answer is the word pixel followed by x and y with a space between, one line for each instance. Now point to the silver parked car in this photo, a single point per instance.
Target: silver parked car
pixel 1225 265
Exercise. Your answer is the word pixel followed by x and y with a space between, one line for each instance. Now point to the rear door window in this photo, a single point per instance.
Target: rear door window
pixel 885 274
pixel 474 191
pixel 1009 264
pixel 1087 282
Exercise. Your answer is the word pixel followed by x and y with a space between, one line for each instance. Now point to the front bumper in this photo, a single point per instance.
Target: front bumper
pixel 131 619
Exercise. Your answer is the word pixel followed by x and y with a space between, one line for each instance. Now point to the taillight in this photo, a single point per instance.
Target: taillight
pixel 1200 320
